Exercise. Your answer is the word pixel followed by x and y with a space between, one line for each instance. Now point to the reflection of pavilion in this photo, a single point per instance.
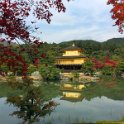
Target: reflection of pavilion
pixel 72 92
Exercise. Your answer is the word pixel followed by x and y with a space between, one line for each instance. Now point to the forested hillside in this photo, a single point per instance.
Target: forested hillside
pixel 91 45
pixel 114 47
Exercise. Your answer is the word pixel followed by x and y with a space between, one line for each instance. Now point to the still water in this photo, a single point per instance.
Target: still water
pixel 97 109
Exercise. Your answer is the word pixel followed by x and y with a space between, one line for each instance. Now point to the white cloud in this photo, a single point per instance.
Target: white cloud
pixel 84 19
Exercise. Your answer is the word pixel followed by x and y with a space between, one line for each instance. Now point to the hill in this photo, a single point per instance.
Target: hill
pixel 91 45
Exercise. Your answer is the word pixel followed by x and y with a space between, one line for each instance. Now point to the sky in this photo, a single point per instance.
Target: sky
pixel 83 20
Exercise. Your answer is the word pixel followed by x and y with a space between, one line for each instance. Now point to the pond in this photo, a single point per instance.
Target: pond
pixel 67 112
pixel 100 102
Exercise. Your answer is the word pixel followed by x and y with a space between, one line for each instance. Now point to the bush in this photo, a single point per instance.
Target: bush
pixel 49 73
pixel 107 70
pixel 32 69
pixel 120 68
pixel 87 68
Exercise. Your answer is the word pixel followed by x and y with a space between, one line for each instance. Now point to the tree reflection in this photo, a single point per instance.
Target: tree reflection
pixel 30 105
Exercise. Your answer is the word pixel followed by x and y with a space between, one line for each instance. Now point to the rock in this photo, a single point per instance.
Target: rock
pixel 36 76
pixel 122 75
pixel 10 73
pixel 98 73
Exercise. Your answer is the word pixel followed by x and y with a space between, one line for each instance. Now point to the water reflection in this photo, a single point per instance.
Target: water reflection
pixel 97 109
pixel 72 91
pixel 75 106
pixel 30 106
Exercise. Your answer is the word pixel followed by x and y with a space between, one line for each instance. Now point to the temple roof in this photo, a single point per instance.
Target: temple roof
pixel 73 47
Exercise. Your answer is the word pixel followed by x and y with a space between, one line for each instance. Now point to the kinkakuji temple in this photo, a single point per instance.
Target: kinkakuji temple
pixel 72 58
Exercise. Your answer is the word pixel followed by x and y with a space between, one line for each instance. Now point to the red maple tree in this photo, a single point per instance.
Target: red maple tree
pixel 118 13
pixel 97 64
pixel 13 27
pixel 109 62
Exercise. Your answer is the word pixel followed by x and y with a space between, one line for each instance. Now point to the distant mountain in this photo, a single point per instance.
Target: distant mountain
pixel 81 43
pixel 91 45
pixel 115 40
pixel 113 43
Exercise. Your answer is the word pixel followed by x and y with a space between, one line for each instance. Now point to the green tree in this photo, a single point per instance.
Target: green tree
pixel 30 104
pixel 107 70
pixel 49 72
pixel 87 67
pixel 120 68
pixel 32 69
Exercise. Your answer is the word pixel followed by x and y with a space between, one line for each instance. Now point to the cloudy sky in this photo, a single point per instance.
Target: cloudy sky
pixel 84 19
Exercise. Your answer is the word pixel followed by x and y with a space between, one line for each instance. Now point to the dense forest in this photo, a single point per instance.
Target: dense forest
pixel 114 47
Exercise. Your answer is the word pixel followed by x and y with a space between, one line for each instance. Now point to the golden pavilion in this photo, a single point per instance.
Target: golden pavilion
pixel 72 58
